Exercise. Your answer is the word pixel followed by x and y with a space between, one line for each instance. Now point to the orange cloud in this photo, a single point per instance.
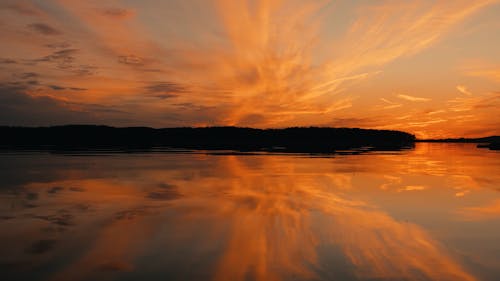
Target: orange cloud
pixel 493 74
pixel 412 98
pixel 480 68
pixel 412 188
pixel 462 89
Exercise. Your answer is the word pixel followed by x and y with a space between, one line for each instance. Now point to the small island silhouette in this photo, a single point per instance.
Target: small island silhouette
pixel 290 140
pixel 491 142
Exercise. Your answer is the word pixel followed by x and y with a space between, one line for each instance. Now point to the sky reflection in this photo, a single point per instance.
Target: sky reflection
pixel 207 217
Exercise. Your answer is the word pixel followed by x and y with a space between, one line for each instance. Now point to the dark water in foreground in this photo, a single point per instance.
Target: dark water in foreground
pixel 432 213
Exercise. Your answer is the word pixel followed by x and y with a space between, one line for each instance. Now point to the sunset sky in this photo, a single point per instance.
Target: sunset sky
pixel 431 68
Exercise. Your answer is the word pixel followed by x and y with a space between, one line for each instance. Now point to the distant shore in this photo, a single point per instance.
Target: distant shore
pixel 288 140
pixel 492 142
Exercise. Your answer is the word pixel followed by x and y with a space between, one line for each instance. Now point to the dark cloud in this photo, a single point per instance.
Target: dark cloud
pixel 22 77
pixel 163 195
pixel 164 90
pixel 119 13
pixel 62 58
pixel 60 218
pixel 19 108
pixel 65 59
pixel 25 80
pixel 165 95
pixel 41 246
pixel 60 45
pixel 131 60
pixel 77 89
pixel 22 8
pixel 85 70
pixel 57 88
pixel 32 82
pixel 65 55
pixel 100 108
pixel 44 29
pixel 164 185
pixel 19 84
pixel 154 70
pixel 7 61
pixel 28 75
pixel 185 105
pixel 55 189
pixel 77 189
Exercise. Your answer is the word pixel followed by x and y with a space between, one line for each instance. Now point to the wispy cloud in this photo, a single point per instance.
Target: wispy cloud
pixel 390 104
pixel 412 188
pixel 7 61
pixel 164 90
pixel 22 7
pixel 131 60
pixel 493 74
pixel 462 89
pixel 119 13
pixel 388 30
pixel 44 29
pixel 481 68
pixel 426 123
pixel 470 103
pixel 62 58
pixel 412 98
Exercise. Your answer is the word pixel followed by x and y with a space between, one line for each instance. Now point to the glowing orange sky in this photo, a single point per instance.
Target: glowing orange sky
pixel 431 68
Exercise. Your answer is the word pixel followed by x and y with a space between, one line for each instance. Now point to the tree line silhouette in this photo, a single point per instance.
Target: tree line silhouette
pixel 296 139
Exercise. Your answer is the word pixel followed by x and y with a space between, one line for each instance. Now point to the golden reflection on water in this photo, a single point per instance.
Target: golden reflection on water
pixel 203 217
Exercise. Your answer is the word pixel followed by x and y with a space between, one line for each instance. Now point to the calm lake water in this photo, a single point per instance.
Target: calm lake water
pixel 431 213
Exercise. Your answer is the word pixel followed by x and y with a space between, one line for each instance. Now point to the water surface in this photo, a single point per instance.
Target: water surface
pixel 432 213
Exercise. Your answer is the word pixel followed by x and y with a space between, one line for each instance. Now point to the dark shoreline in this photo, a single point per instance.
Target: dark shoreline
pixel 314 140
pixel 288 140
pixel 492 142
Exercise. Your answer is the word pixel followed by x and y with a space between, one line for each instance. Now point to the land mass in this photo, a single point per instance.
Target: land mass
pixel 491 142
pixel 296 139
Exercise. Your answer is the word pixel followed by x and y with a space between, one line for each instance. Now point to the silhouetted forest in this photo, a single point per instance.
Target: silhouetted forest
pixel 310 139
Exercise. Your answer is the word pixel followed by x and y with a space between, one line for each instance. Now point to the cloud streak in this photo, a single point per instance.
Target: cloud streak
pixel 462 89
pixel 44 29
pixel 413 98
